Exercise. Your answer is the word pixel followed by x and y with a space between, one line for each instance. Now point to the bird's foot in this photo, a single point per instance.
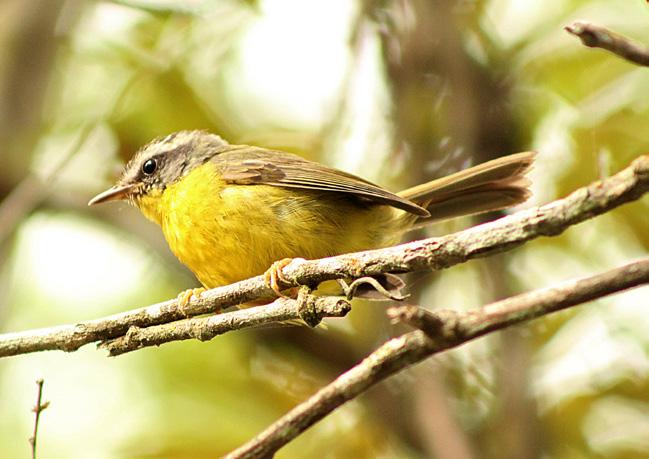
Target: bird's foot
pixel 185 297
pixel 274 276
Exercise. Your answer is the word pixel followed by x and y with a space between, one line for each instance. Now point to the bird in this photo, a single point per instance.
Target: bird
pixel 230 212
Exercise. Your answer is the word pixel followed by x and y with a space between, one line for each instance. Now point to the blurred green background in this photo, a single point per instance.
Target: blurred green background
pixel 396 91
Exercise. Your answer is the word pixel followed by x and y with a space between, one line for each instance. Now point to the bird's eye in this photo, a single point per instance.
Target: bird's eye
pixel 149 166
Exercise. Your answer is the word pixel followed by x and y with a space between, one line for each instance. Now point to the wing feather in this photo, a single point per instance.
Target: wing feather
pixel 246 165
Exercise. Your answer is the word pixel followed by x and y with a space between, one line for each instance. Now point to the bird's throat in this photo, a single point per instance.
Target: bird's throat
pixel 152 205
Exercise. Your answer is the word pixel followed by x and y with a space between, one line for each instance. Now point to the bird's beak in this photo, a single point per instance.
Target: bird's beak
pixel 115 193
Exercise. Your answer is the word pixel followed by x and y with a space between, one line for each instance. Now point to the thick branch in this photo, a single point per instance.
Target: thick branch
pixel 441 330
pixel 596 36
pixel 434 253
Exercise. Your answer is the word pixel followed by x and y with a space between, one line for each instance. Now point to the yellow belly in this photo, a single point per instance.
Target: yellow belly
pixel 225 233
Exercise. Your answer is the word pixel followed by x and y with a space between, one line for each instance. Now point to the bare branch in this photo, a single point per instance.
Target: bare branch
pixel 206 328
pixel 131 324
pixel 441 330
pixel 596 36
pixel 38 409
pixel 434 253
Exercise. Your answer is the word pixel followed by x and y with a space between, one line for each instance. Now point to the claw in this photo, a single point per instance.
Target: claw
pixel 274 276
pixel 185 297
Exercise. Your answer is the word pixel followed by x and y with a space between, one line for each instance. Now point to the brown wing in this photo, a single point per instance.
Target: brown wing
pixel 253 166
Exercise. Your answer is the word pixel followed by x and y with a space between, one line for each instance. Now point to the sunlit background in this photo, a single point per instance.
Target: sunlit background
pixel 397 91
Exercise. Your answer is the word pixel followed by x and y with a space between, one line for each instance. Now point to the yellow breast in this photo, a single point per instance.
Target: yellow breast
pixel 224 233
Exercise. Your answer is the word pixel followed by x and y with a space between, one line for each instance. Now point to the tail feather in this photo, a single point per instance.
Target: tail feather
pixel 494 185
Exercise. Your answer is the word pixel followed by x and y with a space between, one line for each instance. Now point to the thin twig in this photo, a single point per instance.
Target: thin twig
pixel 596 36
pixel 38 409
pixel 206 328
pixel 450 329
pixel 428 254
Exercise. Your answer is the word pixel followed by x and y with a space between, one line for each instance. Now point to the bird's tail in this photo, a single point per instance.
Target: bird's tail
pixel 494 185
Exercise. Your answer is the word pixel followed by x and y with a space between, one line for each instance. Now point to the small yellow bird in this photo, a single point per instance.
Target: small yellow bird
pixel 230 211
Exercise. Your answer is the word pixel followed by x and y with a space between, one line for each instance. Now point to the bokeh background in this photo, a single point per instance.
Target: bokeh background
pixel 397 91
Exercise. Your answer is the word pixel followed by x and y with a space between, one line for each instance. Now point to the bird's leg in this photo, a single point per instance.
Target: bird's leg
pixel 185 297
pixel 274 276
